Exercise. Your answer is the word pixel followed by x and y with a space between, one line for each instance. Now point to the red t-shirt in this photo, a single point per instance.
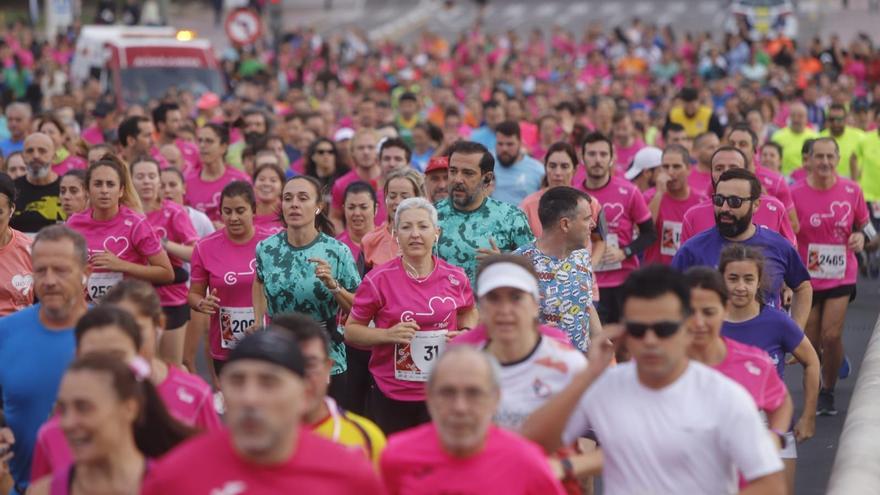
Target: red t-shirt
pixel 208 464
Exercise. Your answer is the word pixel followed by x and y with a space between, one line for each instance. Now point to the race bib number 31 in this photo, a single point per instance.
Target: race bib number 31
pixel 233 323
pixel 101 283
pixel 670 239
pixel 413 362
pixel 826 261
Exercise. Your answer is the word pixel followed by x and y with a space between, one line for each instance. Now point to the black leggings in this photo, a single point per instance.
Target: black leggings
pixel 359 381
pixel 395 415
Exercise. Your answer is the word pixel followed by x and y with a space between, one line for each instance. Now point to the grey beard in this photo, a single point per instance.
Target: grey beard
pixel 40 173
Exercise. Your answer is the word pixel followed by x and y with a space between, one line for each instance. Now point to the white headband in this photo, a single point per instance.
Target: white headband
pixel 507 274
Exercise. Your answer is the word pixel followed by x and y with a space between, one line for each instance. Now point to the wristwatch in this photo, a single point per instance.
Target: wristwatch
pixel 567 468
pixel 627 251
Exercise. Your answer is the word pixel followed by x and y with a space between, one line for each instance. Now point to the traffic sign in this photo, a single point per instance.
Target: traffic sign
pixel 244 26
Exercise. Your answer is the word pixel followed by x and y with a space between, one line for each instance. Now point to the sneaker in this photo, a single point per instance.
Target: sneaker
pixel 825 405
pixel 845 368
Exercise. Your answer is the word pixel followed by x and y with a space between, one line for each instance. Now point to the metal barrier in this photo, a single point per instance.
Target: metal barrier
pixel 857 464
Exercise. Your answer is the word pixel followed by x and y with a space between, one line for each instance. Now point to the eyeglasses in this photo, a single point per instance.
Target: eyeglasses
pixel 732 201
pixel 323 152
pixel 662 329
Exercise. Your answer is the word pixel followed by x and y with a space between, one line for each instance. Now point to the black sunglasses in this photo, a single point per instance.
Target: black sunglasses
pixel 662 329
pixel 732 201
pixel 323 152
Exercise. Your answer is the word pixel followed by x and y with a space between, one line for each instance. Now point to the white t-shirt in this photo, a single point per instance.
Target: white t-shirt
pixel 528 384
pixel 200 221
pixel 689 437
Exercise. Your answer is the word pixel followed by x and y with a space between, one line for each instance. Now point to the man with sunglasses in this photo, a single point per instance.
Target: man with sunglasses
pixel 847 139
pixel 661 406
pixel 736 197
pixel 769 211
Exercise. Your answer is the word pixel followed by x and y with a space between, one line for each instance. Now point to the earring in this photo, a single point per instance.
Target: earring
pixel 317 211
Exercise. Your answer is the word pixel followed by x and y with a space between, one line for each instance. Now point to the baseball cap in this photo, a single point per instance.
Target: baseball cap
pixel 343 134
pixel 273 345
pixel 207 101
pixel 647 158
pixel 437 163
pixel 102 109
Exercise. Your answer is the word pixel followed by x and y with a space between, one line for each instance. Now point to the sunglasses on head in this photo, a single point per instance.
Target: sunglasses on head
pixel 662 329
pixel 732 201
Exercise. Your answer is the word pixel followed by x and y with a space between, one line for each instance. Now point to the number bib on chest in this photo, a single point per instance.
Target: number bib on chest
pixel 101 283
pixel 413 362
pixel 233 323
pixel 670 239
pixel 610 240
pixel 826 261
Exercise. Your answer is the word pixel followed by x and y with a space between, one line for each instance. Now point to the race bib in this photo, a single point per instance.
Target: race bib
pixel 670 239
pixel 100 284
pixel 875 209
pixel 413 362
pixel 826 261
pixel 233 323
pixel 610 240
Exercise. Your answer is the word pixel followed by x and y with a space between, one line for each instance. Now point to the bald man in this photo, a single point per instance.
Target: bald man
pixel 792 138
pixel 38 203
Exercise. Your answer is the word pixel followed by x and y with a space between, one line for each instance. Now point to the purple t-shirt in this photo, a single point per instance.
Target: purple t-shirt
pixel 772 330
pixel 782 260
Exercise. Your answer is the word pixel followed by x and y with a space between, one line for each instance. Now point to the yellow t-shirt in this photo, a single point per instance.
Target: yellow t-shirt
pixel 792 144
pixel 695 125
pixel 868 152
pixel 347 428
pixel 847 142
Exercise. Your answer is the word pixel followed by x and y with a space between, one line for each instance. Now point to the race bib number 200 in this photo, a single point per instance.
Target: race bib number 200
pixel 413 362
pixel 233 323
pixel 826 261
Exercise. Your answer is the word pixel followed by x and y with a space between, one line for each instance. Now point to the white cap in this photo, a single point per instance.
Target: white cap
pixel 343 134
pixel 507 274
pixel 647 158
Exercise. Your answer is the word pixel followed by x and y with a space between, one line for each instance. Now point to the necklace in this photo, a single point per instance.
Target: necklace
pixel 414 274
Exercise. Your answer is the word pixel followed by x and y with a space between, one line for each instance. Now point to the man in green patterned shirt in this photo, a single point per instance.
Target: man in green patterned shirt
pixel 472 224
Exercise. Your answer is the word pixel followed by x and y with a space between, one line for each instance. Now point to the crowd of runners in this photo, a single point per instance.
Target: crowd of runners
pixel 506 263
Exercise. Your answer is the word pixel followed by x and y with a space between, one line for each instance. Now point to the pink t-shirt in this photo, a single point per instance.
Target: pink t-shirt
pixel 669 222
pixel 205 196
pixel 338 194
pixel 171 221
pixel 775 185
pixel 16 274
pixel 414 461
pixel 624 208
pixel 128 235
pixel 770 214
pixel 379 246
pixel 827 219
pixel 752 368
pixel 798 175
pixel 186 396
pixel 388 296
pixel 346 239
pixel 699 180
pixel 209 463
pixel 72 162
pixel 190 153
pixel 93 135
pixel 623 156
pixel 229 268
pixel 270 222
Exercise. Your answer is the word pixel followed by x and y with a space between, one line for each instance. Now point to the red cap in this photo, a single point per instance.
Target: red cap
pixel 437 163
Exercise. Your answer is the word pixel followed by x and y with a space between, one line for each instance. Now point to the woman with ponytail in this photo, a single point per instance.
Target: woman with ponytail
pixel 112 417
pixel 304 269
pixel 109 329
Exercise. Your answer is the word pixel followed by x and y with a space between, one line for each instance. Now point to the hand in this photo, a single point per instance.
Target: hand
pixel 662 181
pixel 603 347
pixel 210 303
pixel 402 333
pixel 612 255
pixel 7 440
pixel 484 252
pixel 805 427
pixel 786 296
pixel 451 334
pixel 856 242
pixel 106 260
pixel 324 273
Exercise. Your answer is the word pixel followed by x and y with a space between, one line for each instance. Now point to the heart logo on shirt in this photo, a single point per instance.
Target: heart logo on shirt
pixel 116 245
pixel 613 212
pixel 839 213
pixel 23 283
pixel 436 305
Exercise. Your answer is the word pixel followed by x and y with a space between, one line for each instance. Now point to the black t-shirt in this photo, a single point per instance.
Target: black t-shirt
pixel 36 206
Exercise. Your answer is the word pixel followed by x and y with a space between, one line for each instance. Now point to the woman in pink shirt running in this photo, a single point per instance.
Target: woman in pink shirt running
pixel 178 236
pixel 359 208
pixel 418 302
pixel 269 179
pixel 109 412
pixel 121 241
pixel 379 246
pixel 203 185
pixel 73 195
pixel 16 272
